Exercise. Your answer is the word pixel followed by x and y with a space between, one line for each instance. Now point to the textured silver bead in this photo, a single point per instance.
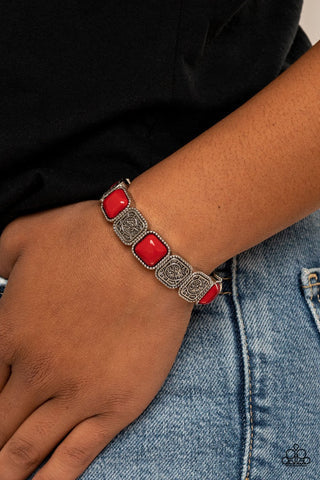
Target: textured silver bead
pixel 173 270
pixel 129 225
pixel 195 286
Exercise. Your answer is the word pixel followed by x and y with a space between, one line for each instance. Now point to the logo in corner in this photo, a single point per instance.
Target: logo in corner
pixel 296 457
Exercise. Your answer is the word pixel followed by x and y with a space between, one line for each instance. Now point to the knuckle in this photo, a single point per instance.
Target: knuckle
pixel 23 453
pixel 119 402
pixel 17 233
pixel 37 372
pixel 7 335
pixel 47 475
pixel 6 233
pixel 72 390
pixel 11 234
pixel 75 455
pixel 7 340
pixel 42 428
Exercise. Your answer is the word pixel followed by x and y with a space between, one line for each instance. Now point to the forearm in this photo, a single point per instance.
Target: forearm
pixel 249 176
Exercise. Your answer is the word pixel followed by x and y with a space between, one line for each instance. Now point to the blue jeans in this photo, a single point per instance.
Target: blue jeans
pixel 242 400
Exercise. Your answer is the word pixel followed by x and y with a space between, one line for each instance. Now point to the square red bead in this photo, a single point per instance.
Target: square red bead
pixel 115 202
pixel 150 249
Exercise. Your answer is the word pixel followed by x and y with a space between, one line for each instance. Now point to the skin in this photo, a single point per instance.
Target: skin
pixel 69 303
pixel 118 336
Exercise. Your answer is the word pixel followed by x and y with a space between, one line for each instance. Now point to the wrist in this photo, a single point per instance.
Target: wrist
pixel 135 280
pixel 150 249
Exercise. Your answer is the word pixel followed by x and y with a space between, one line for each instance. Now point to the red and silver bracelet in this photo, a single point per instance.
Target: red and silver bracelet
pixel 152 251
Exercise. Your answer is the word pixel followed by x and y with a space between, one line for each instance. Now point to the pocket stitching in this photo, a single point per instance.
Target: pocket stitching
pixel 311 296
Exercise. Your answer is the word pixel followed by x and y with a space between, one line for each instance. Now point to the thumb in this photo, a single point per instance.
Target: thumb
pixel 10 248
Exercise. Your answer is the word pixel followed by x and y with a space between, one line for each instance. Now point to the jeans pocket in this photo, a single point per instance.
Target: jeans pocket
pixel 310 280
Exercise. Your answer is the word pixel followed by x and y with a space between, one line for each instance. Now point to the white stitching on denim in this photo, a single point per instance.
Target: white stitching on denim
pixel 249 372
pixel 250 411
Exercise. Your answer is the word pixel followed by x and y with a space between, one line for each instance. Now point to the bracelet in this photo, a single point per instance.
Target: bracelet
pixel 151 249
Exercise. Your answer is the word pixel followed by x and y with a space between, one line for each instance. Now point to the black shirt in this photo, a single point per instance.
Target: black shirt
pixel 95 91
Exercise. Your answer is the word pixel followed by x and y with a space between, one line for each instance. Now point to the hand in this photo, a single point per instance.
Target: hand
pixel 88 336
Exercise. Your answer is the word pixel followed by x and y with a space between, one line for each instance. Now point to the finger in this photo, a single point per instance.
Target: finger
pixel 16 404
pixel 5 372
pixel 36 438
pixel 10 243
pixel 79 449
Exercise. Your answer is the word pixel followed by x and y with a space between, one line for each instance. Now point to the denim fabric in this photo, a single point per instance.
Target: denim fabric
pixel 242 400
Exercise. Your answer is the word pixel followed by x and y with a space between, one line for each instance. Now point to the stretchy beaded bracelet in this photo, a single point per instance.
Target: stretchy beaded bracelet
pixel 152 251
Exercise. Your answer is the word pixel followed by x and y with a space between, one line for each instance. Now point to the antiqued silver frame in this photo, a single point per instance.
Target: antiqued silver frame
pixel 124 230
pixel 184 289
pixel 165 263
